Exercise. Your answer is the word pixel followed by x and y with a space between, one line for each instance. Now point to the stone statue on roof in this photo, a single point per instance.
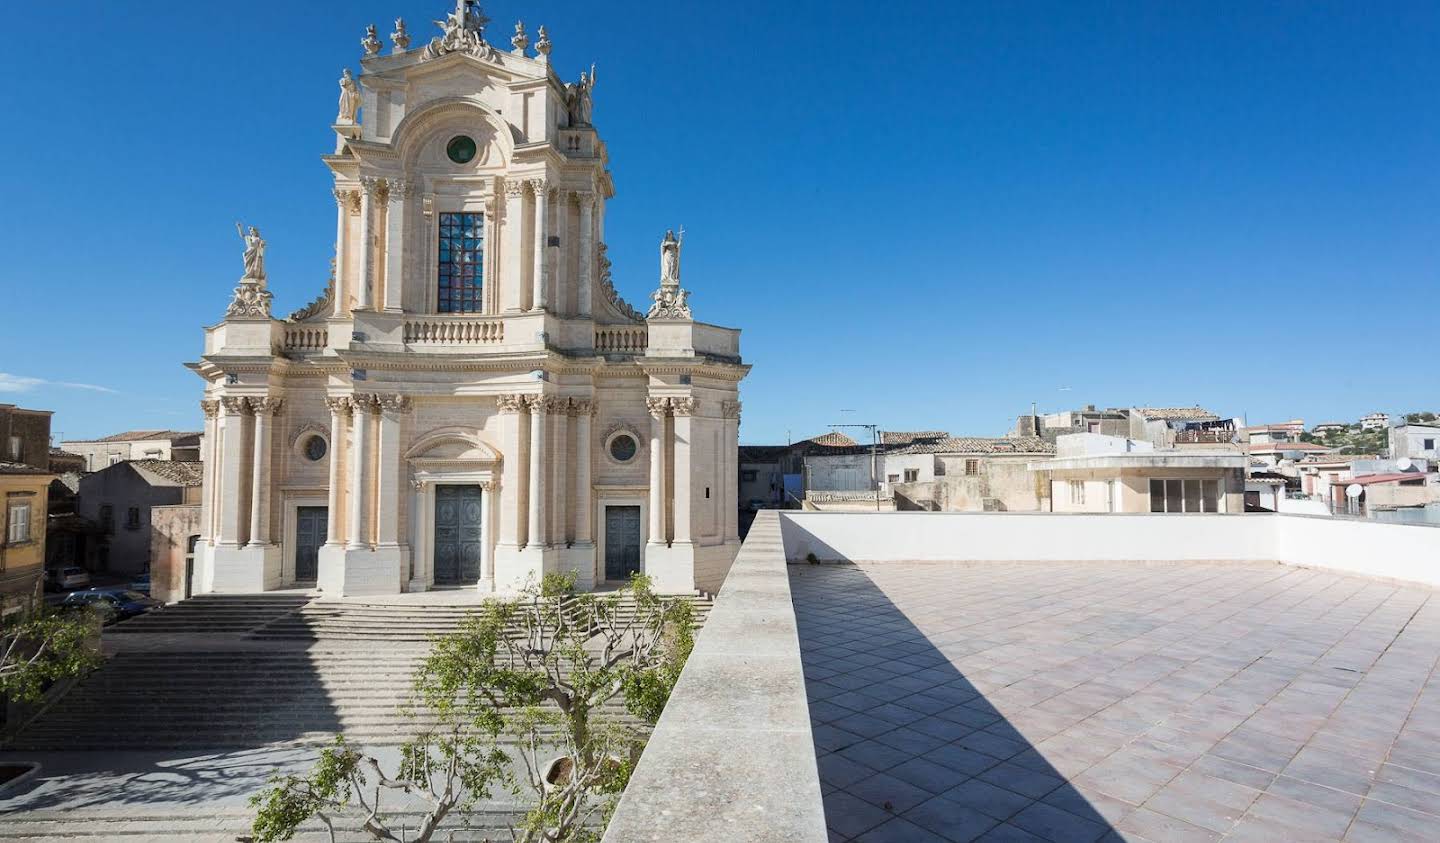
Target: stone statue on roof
pixel 349 98
pixel 254 252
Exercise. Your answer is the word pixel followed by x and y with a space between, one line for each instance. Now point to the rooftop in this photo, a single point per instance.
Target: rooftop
pixel 170 472
pixel 1177 413
pixel 20 468
pixel 906 437
pixel 175 436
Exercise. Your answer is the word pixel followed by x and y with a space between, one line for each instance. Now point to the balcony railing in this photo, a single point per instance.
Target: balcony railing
pixel 454 330
pixel 629 339
pixel 306 337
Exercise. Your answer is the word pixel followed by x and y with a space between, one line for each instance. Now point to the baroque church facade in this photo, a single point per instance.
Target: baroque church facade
pixel 469 404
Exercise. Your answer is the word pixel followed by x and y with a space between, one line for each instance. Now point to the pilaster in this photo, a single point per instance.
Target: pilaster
pixel 682 409
pixel 539 414
pixel 335 498
pixel 263 410
pixel 541 270
pixel 587 252
pixel 658 408
pixel 231 496
pixel 372 192
pixel 512 273
pixel 388 465
pixel 208 463
pixel 399 193
pixel 347 203
pixel 361 476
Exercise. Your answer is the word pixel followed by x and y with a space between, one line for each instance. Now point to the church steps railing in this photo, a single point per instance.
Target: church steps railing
pixel 454 330
pixel 622 339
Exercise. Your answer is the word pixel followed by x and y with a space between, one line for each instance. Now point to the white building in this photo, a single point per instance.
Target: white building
pixel 1095 473
pixel 135 445
pixel 1374 421
pixel 1415 441
pixel 469 403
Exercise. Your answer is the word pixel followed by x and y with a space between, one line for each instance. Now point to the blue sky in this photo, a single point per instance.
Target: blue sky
pixel 929 214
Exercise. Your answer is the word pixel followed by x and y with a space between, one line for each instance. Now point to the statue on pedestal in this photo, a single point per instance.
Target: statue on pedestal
pixel 670 301
pixel 349 98
pixel 252 300
pixel 254 252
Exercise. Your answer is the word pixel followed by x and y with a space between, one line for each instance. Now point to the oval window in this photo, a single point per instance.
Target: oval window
pixel 623 448
pixel 315 448
pixel 461 149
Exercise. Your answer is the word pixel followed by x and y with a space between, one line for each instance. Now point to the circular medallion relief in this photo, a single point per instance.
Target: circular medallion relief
pixel 623 447
pixel 315 448
pixel 461 149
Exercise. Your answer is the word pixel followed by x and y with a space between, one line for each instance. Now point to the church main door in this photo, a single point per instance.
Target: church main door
pixel 622 542
pixel 457 534
pixel 310 530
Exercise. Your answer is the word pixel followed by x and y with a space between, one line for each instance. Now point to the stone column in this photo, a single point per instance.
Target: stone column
pixel 587 251
pixel 387 463
pixel 264 409
pixel 559 477
pixel 683 409
pixel 730 441
pixel 373 191
pixel 658 408
pixel 360 475
pixel 539 414
pixel 339 409
pixel 584 410
pixel 487 546
pixel 509 407
pixel 541 276
pixel 512 269
pixel 344 201
pixel 231 494
pixel 399 192
pixel 423 515
pixel 211 409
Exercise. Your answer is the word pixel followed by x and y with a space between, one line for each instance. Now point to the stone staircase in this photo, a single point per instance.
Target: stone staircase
pixel 295 673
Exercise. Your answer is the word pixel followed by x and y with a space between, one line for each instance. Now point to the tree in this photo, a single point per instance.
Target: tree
pixel 42 647
pixel 537 668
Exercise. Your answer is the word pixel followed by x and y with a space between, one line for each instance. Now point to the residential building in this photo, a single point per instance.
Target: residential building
pixel 179 445
pixel 118 499
pixel 1374 421
pixel 25 479
pixel 1415 441
pixel 469 403
pixel 1276 454
pixel 1166 427
pixel 1110 422
pixel 1329 427
pixel 1274 433
pixel 1094 473
pixel 762 476
pixel 1391 490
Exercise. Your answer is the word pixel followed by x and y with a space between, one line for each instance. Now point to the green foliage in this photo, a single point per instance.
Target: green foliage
pixel 42 647
pixel 535 669
pixel 1425 417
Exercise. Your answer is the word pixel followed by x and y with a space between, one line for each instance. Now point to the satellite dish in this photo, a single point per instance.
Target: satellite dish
pixel 1404 464
pixel 1354 490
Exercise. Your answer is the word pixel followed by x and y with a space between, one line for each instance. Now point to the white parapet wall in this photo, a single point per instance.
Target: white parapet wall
pixel 1407 552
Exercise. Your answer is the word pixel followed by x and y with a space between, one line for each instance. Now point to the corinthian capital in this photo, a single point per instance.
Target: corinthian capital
pixel 346 198
pixel 394 403
pixel 401 189
pixel 581 407
pixel 510 402
pixel 684 406
pixel 234 405
pixel 211 409
pixel 539 187
pixel 339 405
pixel 538 403
pixel 657 407
pixel 364 402
pixel 375 188
pixel 730 409
pixel 514 188
pixel 266 406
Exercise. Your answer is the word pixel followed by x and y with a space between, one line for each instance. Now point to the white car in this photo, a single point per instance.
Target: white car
pixel 71 576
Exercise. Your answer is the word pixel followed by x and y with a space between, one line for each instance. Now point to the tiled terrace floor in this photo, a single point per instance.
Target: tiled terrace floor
pixel 1084 701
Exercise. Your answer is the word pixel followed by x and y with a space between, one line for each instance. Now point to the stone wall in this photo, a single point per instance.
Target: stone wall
pixel 171 529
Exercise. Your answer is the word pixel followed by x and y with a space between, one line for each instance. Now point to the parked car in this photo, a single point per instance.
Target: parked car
pixel 115 604
pixel 141 584
pixel 66 577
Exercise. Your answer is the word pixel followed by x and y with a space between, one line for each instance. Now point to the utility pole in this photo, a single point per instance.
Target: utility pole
pixel 874 457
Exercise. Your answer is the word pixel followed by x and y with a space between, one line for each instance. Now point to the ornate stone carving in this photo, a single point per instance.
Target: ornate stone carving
pixel 266 406
pixel 308 429
pixel 346 198
pixel 730 409
pixel 538 187
pixel 538 403
pixel 254 256
pixel 657 407
pixel 670 301
pixel 400 38
pixel 339 405
pixel 363 402
pixel 519 40
pixel 683 406
pixel 397 190
pixel 349 99
pixel 581 407
pixel 394 403
pixel 375 188
pixel 210 408
pixel 578 100
pixel 514 188
pixel 252 300
pixel 234 405
pixel 510 403
pixel 321 306
pixel 419 485
pixel 542 46
pixel 607 288
pixel 462 31
pixel 488 485
pixel 371 41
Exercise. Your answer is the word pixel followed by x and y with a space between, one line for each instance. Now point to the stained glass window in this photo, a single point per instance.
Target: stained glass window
pixel 462 250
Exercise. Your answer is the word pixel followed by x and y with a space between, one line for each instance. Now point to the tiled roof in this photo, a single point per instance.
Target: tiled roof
pixel 980 445
pixel 20 468
pixel 1392 477
pixel 906 437
pixel 141 435
pixel 833 439
pixel 61 452
pixel 171 472
pixel 1177 413
pixel 1287 446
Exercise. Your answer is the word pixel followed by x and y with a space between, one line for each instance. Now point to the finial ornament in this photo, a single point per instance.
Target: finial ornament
pixel 542 46
pixel 520 40
pixel 371 41
pixel 400 38
pixel 462 31
pixel 670 301
pixel 252 300
pixel 349 99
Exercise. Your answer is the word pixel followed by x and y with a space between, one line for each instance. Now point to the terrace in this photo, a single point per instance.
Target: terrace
pixel 1057 677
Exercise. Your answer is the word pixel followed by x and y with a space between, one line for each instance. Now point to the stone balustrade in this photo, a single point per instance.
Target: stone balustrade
pixel 306 338
pixel 454 330
pixel 621 339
